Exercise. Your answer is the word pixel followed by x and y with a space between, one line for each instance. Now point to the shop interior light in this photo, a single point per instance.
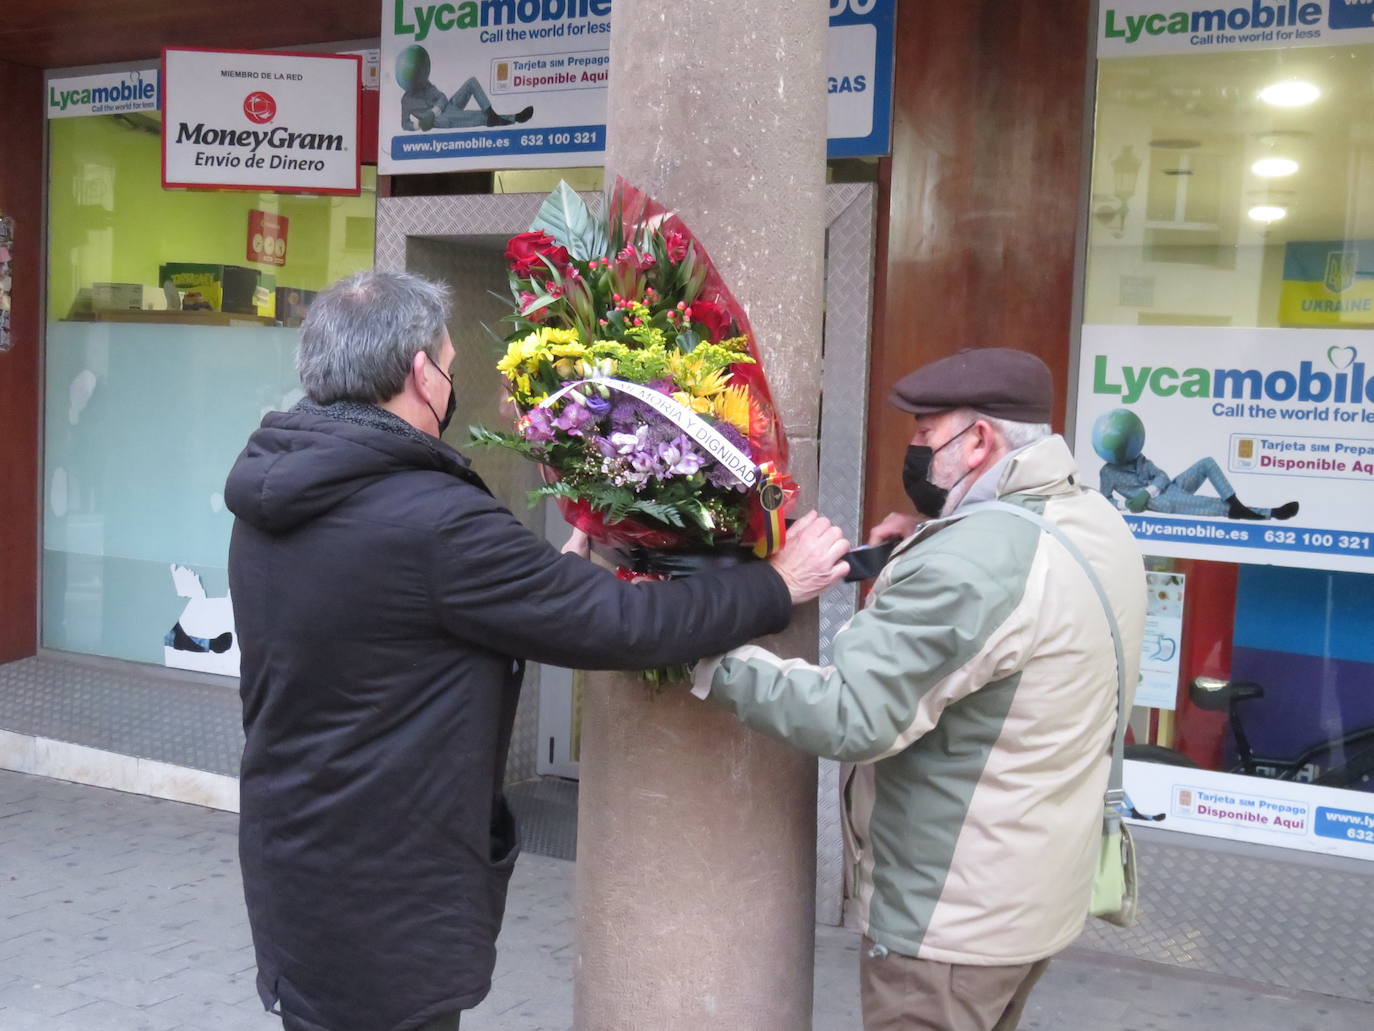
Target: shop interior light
pixel 1274 168
pixel 1267 213
pixel 1290 93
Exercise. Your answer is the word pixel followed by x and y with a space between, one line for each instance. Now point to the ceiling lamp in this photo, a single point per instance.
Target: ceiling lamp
pixel 1274 168
pixel 1267 213
pixel 1292 93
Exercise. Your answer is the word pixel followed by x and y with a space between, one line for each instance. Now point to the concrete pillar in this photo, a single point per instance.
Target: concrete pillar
pixel 696 837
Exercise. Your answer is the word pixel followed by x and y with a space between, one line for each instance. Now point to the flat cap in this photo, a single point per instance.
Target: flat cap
pixel 995 381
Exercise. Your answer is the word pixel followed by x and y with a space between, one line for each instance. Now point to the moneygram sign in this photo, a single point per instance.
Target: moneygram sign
pixel 1143 27
pixel 248 120
pixel 114 93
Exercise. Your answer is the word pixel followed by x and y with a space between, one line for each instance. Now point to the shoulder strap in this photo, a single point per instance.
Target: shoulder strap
pixel 1115 797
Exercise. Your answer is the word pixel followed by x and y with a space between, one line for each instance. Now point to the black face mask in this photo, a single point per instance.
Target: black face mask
pixel 929 498
pixel 452 401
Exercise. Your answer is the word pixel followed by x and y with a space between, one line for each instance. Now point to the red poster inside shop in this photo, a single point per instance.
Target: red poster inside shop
pixel 267 237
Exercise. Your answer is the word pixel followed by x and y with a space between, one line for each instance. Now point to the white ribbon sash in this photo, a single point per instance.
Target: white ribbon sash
pixel 711 440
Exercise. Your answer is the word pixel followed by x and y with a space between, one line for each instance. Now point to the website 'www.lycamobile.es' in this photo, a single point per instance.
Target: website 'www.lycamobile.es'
pixel 1145 528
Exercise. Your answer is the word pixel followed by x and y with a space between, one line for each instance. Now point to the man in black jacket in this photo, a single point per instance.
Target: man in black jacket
pixel 386 604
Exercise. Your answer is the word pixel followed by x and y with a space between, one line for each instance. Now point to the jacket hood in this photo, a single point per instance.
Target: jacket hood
pixel 300 464
pixel 1044 468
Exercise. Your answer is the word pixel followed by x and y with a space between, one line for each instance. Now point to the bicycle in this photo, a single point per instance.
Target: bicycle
pixel 1354 751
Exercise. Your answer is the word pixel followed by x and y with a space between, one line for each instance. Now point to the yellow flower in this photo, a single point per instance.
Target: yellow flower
pixel 514 356
pixel 568 351
pixel 697 376
pixel 711 383
pixel 519 352
pixel 550 335
pixel 732 405
pixel 700 405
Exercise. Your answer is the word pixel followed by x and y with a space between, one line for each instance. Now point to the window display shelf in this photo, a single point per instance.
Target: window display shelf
pixel 175 318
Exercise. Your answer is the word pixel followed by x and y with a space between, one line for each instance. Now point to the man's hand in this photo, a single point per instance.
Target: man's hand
pixel 812 558
pixel 896 526
pixel 1137 501
pixel 578 544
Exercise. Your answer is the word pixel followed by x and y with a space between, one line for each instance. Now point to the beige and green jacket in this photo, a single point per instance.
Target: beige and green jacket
pixel 976 695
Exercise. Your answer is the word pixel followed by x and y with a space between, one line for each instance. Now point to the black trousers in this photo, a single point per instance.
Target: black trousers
pixel 448 1022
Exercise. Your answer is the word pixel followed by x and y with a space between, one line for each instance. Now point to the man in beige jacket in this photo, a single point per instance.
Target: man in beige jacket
pixel 976 695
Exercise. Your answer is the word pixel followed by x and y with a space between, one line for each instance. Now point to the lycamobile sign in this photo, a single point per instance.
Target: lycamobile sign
pixel 419 20
pixel 1137 28
pixel 1340 379
pixel 1282 419
pixel 1258 15
pixel 108 94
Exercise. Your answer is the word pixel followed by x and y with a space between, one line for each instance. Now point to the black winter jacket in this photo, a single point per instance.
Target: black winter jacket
pixel 385 604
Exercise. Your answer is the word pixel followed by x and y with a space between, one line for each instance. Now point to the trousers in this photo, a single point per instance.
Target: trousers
pixel 902 993
pixel 448 1022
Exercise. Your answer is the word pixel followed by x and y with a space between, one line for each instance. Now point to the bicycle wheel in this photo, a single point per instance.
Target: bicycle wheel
pixel 1159 754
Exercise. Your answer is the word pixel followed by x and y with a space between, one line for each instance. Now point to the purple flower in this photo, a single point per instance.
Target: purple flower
pixel 730 432
pixel 679 458
pixel 717 474
pixel 637 451
pixel 663 386
pixel 538 426
pixel 598 405
pixel 574 418
pixel 627 413
pixel 629 443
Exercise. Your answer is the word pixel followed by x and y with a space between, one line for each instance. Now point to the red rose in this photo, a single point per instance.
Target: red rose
pixel 676 246
pixel 526 251
pixel 714 319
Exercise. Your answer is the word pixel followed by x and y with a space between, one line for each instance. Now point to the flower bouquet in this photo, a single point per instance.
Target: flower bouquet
pixel 638 387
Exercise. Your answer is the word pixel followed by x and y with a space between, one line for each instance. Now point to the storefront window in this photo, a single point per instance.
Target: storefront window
pixel 1224 400
pixel 166 343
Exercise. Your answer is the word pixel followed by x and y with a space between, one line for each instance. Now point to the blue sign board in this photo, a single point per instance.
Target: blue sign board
pixel 522 83
pixel 859 57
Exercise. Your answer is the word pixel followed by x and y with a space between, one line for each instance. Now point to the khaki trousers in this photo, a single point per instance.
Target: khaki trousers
pixel 901 993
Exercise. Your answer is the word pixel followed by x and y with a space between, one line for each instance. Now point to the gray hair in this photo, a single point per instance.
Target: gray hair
pixel 1016 434
pixel 359 338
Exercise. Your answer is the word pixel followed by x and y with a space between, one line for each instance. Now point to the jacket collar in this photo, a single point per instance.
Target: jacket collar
pixel 1044 468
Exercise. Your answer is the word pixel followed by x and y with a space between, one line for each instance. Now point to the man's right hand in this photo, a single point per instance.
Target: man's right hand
pixel 896 526
pixel 812 558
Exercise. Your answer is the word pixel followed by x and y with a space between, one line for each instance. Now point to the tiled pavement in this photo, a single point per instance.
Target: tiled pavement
pixel 123 913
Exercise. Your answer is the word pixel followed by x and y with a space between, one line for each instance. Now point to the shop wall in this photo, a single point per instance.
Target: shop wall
pixel 21 181
pixel 81 32
pixel 112 221
pixel 983 198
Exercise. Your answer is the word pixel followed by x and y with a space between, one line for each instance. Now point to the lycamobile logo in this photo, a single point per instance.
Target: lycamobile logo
pixel 1345 384
pixel 417 20
pixel 1256 15
pixel 119 93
